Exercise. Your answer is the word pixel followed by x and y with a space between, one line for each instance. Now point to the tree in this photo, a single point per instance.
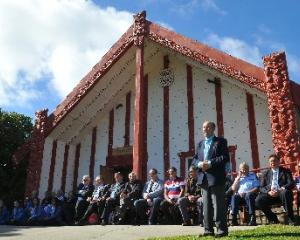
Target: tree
pixel 15 128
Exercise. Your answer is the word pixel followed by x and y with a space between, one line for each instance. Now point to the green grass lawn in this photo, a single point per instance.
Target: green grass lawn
pixel 262 232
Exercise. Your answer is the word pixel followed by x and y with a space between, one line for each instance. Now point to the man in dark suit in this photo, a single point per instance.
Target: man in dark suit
pixel 276 187
pixel 211 157
pixel 132 191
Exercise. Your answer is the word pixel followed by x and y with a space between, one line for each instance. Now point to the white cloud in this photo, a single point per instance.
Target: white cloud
pixel 236 47
pixel 293 63
pixel 211 5
pixel 188 8
pixel 57 38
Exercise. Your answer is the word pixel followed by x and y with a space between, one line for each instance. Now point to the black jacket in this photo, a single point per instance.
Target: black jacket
pixel 192 188
pixel 218 155
pixel 285 179
pixel 133 189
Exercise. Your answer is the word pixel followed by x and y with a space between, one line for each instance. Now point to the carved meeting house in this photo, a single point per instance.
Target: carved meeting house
pixel 143 105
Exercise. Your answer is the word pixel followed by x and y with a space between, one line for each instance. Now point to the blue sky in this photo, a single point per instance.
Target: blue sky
pixel 47 46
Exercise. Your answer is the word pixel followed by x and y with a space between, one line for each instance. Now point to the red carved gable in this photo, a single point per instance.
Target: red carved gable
pixel 215 59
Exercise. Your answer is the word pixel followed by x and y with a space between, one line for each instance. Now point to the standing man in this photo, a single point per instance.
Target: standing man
pixel 211 158
pixel 276 187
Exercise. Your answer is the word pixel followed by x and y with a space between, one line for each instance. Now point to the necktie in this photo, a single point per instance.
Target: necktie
pixel 274 185
pixel 150 187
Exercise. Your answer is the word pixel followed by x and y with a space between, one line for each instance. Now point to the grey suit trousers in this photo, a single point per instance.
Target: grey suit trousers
pixel 214 208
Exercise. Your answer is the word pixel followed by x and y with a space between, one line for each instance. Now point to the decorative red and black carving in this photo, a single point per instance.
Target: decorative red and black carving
pixel 52 166
pixel 252 130
pixel 110 135
pixel 127 120
pixel 139 28
pixel 219 107
pixel 95 75
pixel 76 166
pixel 191 128
pixel 93 152
pixel 208 56
pixel 140 121
pixel 281 109
pixel 36 151
pixel 65 167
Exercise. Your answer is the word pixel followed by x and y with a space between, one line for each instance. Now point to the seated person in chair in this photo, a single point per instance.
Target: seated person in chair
pixel 192 198
pixel 276 187
pixel 132 191
pixel 152 197
pixel 97 200
pixel 173 190
pixel 114 197
pixel 84 190
pixel 245 188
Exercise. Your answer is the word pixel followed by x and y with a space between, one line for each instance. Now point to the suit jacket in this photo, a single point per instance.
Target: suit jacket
pixel 157 189
pixel 133 189
pixel 218 155
pixel 117 188
pixel 285 179
pixel 192 188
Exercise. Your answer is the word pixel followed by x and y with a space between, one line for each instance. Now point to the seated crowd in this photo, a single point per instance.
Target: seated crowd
pixel 175 201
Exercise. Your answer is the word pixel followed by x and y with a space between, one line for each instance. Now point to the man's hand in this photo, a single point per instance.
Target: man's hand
pixel 146 196
pixel 149 202
pixel 192 198
pixel 205 165
pixel 273 193
pixel 242 194
pixel 123 195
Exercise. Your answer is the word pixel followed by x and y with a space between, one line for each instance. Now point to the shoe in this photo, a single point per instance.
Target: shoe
pixel 188 223
pixel 207 233
pixel 275 221
pixel 292 222
pixel 221 234
pixel 252 221
pixel 234 221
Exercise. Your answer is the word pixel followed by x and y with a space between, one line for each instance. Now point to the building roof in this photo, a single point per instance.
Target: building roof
pixel 215 59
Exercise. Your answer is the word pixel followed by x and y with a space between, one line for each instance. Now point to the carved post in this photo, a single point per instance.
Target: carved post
pixel 281 108
pixel 36 151
pixel 139 141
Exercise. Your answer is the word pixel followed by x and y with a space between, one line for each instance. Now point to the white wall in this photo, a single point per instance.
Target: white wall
pixel 119 123
pixel 70 168
pixel 155 118
pixel 59 160
pixel 204 101
pixel 45 167
pixel 101 144
pixel 178 113
pixel 235 117
pixel 263 130
pixel 85 154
